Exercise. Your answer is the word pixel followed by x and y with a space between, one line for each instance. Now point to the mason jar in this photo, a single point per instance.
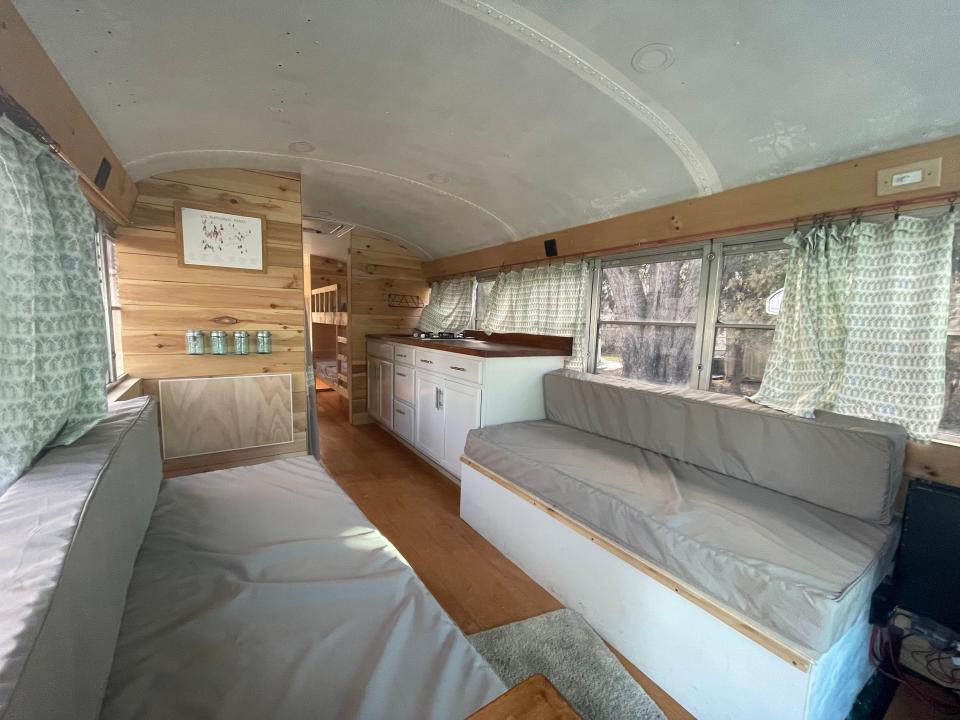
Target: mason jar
pixel 218 342
pixel 241 342
pixel 264 342
pixel 194 342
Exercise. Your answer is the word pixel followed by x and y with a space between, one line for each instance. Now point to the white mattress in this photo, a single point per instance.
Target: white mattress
pixel 264 592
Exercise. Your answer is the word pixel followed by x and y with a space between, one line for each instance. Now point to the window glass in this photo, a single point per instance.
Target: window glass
pixel 667 290
pixel 750 293
pixel 648 320
pixel 656 353
pixel 107 264
pixel 749 283
pixel 951 412
pixel 483 293
pixel 739 359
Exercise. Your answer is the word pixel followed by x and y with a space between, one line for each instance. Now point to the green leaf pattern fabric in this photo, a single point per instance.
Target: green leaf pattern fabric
pixel 544 300
pixel 52 327
pixel 450 307
pixel 862 328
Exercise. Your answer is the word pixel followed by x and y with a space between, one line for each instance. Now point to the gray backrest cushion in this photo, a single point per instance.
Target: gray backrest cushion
pixel 70 530
pixel 843 463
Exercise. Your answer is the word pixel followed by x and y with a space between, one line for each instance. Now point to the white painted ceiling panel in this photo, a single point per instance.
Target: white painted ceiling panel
pixel 457 125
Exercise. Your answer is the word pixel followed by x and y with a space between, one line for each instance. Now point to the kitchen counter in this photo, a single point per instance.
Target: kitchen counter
pixel 497 346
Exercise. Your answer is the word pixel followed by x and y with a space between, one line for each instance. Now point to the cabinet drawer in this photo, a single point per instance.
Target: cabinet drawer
pixel 375 348
pixel 403 421
pixel 403 354
pixel 403 384
pixel 454 365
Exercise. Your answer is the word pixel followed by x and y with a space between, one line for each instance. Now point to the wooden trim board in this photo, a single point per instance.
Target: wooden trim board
pixel 778 646
pixel 832 189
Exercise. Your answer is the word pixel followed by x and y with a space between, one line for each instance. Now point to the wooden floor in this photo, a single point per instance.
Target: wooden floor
pixel 417 509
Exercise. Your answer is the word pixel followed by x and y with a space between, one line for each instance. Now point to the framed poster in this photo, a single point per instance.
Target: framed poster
pixel 210 238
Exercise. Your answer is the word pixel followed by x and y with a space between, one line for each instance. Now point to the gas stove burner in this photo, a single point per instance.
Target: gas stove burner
pixel 444 335
pixel 449 335
pixel 422 334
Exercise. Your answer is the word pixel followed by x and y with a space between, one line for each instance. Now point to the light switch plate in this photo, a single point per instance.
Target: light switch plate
pixel 907 178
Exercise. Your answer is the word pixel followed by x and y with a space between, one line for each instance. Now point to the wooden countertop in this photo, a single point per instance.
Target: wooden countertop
pixel 497 346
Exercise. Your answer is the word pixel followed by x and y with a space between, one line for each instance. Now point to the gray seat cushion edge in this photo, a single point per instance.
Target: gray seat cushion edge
pixel 69 647
pixel 811 617
pixel 843 463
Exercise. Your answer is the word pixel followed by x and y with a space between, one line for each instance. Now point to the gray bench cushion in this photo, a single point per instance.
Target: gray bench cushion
pixel 846 464
pixel 263 592
pixel 798 569
pixel 70 529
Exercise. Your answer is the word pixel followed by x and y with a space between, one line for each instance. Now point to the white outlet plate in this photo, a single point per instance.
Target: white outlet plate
pixel 907 178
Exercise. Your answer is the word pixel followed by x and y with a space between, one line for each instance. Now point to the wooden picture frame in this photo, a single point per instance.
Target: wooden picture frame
pixel 231 246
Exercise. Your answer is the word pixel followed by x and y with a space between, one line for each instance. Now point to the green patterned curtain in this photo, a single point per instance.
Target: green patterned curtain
pixel 862 328
pixel 450 307
pixel 52 330
pixel 545 300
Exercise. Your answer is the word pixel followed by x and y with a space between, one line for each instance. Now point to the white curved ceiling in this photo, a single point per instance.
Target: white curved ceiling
pixel 459 124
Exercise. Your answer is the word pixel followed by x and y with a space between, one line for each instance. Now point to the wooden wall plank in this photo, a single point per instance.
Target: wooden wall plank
pixel 161 268
pixel 246 182
pixel 161 299
pixel 377 267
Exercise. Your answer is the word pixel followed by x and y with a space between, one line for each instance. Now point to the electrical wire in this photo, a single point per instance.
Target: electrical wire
pixel 887 654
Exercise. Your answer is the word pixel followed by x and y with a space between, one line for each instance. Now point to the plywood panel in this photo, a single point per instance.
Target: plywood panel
pixel 378 267
pixel 204 415
pixel 161 299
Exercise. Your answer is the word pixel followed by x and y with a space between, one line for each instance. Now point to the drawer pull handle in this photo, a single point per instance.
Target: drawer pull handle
pixel 428 362
pixel 401 412
pixel 400 374
pixel 454 367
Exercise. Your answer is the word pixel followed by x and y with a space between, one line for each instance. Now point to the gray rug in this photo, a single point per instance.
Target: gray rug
pixel 564 648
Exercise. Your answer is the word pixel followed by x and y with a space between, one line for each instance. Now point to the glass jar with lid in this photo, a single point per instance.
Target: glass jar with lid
pixel 264 342
pixel 241 342
pixel 194 342
pixel 218 342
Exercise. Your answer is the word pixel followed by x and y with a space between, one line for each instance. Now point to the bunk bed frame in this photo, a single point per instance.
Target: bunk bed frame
pixel 327 307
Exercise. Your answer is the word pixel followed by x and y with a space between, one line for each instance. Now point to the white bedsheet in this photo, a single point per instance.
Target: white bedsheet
pixel 264 592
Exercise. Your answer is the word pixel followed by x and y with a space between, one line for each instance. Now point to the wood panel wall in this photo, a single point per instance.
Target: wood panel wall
pixel 378 267
pixel 28 74
pixel 161 300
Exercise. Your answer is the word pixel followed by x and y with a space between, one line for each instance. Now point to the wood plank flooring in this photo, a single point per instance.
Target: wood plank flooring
pixel 417 509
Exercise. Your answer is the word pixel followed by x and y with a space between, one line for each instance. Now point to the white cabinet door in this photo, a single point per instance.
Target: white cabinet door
pixel 373 388
pixel 429 415
pixel 385 378
pixel 461 406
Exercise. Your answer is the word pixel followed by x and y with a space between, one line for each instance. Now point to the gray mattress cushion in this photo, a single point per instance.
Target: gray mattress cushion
pixel 263 592
pixel 798 569
pixel 70 529
pixel 843 463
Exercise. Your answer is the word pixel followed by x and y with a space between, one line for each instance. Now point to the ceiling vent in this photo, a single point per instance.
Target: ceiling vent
pixel 326 227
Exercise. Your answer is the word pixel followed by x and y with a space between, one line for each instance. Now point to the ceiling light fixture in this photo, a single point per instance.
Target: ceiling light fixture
pixel 652 58
pixel 301 146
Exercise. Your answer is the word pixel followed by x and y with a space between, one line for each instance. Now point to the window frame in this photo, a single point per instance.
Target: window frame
pixel 104 239
pixel 711 253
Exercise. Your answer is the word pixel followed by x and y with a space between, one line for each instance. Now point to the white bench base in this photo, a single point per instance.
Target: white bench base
pixel 710 667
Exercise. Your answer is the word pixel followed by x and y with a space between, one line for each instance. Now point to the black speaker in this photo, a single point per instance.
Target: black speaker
pixel 103 174
pixel 927 572
pixel 550 247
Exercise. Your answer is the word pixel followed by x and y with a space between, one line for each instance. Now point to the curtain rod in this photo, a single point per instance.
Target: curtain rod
pixel 894 205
